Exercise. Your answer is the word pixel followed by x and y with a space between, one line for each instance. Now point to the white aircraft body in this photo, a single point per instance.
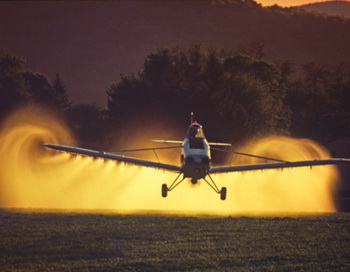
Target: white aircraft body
pixel 195 159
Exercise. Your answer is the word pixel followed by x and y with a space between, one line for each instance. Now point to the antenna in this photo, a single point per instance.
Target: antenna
pixel 192 118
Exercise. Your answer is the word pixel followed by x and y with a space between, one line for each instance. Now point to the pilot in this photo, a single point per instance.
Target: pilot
pixel 193 132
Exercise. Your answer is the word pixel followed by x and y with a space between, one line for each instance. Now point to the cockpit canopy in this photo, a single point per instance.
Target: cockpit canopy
pixel 195 130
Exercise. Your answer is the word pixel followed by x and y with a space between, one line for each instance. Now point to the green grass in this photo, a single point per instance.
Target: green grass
pixel 100 242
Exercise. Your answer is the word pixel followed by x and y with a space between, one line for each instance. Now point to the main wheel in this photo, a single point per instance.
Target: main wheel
pixel 164 190
pixel 223 193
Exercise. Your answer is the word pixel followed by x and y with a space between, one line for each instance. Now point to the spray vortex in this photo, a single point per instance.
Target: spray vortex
pixel 21 156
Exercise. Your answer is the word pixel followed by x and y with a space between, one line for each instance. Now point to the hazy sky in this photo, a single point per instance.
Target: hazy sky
pixel 287 3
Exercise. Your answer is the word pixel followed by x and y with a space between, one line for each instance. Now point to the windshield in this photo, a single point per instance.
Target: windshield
pixel 195 131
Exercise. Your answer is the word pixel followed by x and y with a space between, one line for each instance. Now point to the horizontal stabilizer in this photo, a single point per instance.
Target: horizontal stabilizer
pixel 180 142
pixel 219 144
pixel 167 141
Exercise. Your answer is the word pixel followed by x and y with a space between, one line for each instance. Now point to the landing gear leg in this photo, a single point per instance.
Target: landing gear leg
pixel 213 185
pixel 165 188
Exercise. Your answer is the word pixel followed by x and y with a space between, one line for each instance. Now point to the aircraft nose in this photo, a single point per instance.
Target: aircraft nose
pixel 193 160
pixel 189 160
pixel 197 160
pixel 205 160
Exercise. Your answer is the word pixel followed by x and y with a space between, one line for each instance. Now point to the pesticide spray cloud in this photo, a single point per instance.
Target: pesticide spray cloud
pixel 34 177
pixel 291 190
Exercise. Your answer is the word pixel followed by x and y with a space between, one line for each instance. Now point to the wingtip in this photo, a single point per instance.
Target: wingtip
pixel 46 145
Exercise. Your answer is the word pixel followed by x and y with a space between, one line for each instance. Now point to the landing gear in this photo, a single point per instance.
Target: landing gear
pixel 223 193
pixel 164 190
pixel 213 185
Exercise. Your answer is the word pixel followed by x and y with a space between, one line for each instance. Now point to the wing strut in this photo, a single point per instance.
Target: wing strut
pixel 248 155
pixel 175 184
pixel 144 149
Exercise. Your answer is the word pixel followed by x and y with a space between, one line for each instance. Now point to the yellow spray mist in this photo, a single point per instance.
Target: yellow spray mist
pixel 34 177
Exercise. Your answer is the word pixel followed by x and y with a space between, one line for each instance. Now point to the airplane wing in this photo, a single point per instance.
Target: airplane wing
pixel 278 165
pixel 110 156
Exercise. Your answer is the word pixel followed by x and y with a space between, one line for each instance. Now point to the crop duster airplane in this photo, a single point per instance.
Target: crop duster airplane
pixel 195 159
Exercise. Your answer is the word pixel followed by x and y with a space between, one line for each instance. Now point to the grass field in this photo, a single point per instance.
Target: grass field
pixel 100 242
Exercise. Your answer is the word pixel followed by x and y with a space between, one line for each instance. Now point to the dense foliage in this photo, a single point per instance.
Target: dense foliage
pixel 232 93
pixel 19 87
pixel 236 95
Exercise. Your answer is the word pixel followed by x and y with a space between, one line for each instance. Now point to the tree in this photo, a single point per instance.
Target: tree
pixel 89 124
pixel 19 87
pixel 252 97
pixel 236 95
pixel 60 91
pixel 319 101
pixel 13 91
pixel 40 89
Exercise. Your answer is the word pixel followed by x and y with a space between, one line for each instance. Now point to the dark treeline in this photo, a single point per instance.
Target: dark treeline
pixel 236 94
pixel 19 87
pixel 233 95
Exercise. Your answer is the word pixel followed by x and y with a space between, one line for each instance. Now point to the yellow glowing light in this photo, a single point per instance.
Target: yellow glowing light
pixel 289 3
pixel 34 177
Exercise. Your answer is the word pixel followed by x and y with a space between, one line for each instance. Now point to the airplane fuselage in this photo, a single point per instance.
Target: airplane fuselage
pixel 195 157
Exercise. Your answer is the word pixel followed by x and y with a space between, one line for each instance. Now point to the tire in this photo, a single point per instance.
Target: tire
pixel 223 193
pixel 164 190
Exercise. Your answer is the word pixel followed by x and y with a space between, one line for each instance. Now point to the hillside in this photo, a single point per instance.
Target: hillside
pixel 90 43
pixel 337 8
